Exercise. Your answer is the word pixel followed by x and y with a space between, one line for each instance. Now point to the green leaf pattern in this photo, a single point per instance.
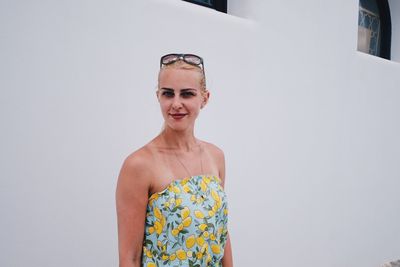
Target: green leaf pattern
pixel 186 224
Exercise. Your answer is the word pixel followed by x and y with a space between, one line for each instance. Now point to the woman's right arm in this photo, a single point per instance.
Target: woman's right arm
pixel 131 202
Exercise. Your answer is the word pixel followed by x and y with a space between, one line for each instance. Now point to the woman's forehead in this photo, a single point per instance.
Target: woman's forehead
pixel 179 78
pixel 174 71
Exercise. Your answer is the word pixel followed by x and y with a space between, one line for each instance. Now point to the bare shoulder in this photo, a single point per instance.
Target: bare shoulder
pixel 139 158
pixel 218 156
pixel 213 149
pixel 136 166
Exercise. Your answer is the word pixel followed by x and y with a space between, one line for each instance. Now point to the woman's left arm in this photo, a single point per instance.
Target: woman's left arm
pixel 227 260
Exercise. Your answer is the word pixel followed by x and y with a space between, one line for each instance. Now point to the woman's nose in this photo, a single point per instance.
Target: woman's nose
pixel 176 104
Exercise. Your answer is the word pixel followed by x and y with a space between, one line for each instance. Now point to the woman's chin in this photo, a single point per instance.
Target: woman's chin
pixel 178 126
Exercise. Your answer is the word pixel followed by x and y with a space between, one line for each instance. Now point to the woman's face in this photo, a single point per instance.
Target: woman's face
pixel 180 97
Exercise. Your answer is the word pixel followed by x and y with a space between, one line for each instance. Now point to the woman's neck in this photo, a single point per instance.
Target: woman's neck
pixel 179 140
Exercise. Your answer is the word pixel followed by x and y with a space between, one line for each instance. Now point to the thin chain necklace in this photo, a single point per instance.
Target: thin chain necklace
pixel 201 161
pixel 183 165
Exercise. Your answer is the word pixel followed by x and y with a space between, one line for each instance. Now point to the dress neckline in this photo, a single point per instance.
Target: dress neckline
pixel 182 179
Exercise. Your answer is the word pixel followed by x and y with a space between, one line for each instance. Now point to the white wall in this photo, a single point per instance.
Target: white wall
pixel 395 16
pixel 330 149
pixel 308 125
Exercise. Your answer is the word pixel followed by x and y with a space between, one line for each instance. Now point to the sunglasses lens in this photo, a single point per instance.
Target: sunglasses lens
pixel 188 58
pixel 168 59
pixel 192 59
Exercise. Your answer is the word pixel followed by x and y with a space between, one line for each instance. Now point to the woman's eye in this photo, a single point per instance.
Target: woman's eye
pixel 168 94
pixel 188 94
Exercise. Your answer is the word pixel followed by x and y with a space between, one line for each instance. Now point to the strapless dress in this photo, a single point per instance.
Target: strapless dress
pixel 186 224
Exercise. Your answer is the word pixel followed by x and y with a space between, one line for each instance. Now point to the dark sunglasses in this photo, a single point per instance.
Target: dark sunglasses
pixel 188 58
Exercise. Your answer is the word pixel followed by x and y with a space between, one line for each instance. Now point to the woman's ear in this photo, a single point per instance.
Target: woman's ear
pixel 206 96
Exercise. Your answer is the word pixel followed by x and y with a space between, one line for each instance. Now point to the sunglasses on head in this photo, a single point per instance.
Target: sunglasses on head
pixel 188 58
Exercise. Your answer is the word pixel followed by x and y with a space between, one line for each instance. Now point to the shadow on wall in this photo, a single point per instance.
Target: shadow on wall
pixel 392 264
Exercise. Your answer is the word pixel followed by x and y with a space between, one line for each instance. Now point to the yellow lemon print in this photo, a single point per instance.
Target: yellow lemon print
pixel 151 264
pixel 203 226
pixel 212 237
pixel 164 257
pixel 157 213
pixel 220 230
pixel 158 227
pixel 206 179
pixel 163 221
pixel 198 214
pixel 203 186
pixel 216 249
pixel 151 229
pixel 148 254
pixel 181 254
pixel 193 198
pixel 215 195
pixel 175 232
pixel 219 203
pixel 172 257
pixel 186 188
pixel 206 234
pixel 186 222
pixel 180 227
pixel 185 212
pixel 176 190
pixel 190 241
pixel 199 255
pixel 151 202
pixel 178 201
pixel 211 213
pixel 200 241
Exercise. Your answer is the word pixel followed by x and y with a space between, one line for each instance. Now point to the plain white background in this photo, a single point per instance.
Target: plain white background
pixel 309 126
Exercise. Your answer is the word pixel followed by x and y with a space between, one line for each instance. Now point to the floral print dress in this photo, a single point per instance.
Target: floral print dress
pixel 186 224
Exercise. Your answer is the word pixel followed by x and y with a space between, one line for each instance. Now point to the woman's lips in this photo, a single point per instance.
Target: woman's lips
pixel 178 116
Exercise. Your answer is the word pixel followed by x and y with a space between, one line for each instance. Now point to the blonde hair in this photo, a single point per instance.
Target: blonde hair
pixel 180 64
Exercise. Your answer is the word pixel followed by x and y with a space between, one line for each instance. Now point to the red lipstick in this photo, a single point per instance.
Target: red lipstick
pixel 178 116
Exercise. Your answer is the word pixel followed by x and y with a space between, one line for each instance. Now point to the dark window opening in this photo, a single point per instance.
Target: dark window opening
pixel 374 28
pixel 219 5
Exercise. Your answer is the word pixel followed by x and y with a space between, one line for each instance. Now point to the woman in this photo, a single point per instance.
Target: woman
pixel 171 206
